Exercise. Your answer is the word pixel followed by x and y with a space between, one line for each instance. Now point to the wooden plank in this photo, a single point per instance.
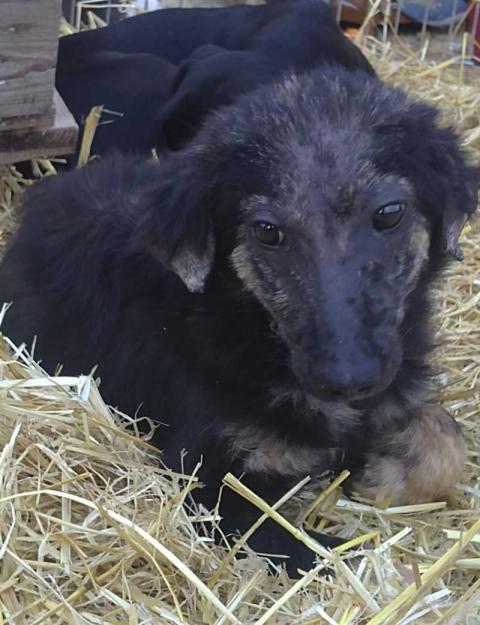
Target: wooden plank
pixel 29 32
pixel 21 142
pixel 45 120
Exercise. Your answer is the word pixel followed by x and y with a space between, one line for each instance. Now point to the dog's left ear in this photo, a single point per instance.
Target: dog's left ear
pixel 453 222
pixel 176 224
pixel 445 184
pixel 458 185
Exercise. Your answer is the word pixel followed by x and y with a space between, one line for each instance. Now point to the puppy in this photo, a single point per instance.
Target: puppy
pixel 264 292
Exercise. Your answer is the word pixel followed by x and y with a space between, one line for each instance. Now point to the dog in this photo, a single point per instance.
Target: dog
pixel 214 77
pixel 129 68
pixel 264 292
pixel 173 34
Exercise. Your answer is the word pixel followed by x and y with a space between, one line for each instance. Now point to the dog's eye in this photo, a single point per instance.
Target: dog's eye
pixel 268 233
pixel 388 216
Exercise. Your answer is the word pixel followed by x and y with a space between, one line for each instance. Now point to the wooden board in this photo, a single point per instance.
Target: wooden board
pixel 52 134
pixel 28 51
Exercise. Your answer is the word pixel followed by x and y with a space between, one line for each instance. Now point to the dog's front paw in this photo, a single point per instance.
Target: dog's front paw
pixel 420 463
pixel 283 549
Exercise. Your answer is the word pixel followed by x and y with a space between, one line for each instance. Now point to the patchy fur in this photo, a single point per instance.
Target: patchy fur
pixel 283 353
pixel 419 242
pixel 263 452
pixel 417 464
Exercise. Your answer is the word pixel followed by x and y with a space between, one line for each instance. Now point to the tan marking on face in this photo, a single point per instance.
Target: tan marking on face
pixel 271 455
pixel 419 245
pixel 428 471
pixel 243 267
pixel 242 263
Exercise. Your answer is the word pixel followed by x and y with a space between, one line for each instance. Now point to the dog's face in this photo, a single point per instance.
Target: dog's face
pixel 333 256
pixel 330 194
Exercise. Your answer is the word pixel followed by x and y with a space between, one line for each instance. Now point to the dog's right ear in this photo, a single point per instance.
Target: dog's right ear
pixel 430 155
pixel 176 227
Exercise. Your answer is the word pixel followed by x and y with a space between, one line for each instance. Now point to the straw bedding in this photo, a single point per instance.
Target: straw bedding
pixel 95 530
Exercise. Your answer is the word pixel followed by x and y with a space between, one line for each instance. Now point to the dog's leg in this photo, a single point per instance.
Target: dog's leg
pixel 420 461
pixel 238 515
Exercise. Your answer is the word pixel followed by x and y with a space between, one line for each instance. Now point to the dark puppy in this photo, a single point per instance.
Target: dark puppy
pixel 215 77
pixel 173 34
pixel 273 39
pixel 264 292
pixel 211 78
pixel 132 88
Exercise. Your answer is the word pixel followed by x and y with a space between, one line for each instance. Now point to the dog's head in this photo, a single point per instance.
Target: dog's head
pixel 332 195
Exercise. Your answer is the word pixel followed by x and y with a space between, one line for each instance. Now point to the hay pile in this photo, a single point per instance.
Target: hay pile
pixel 94 530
